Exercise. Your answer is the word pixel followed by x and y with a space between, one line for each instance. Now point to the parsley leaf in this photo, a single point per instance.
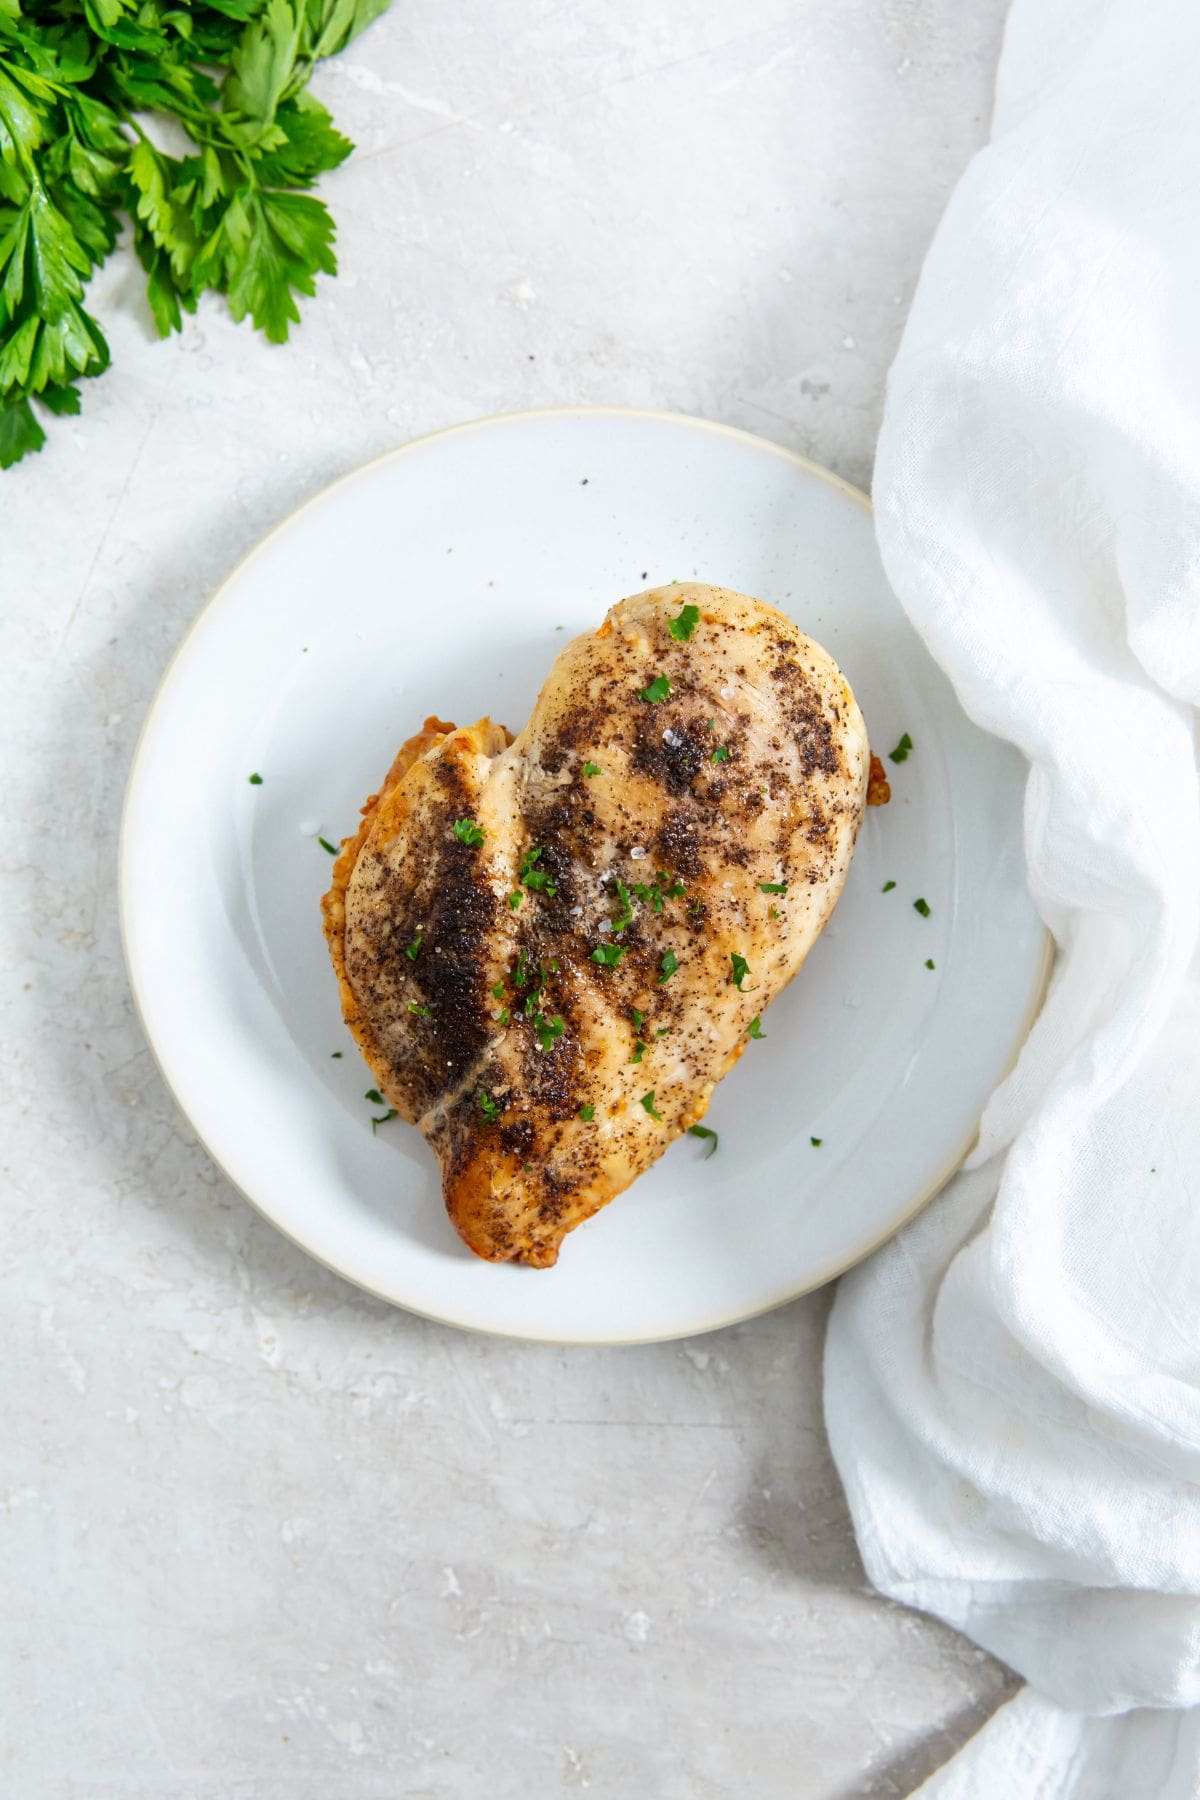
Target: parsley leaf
pixel 658 691
pixel 374 1096
pixel 587 1114
pixel 639 1050
pixel 668 965
pixel 77 83
pixel 592 768
pixel 740 970
pixel 923 907
pixel 414 949
pixel 721 754
pixel 468 832
pixel 682 627
pixel 255 780
pixel 648 1102
pixel 900 753
pixel 326 845
pixel 754 1028
pixel 888 886
pixel 653 893
pixel 383 1118
pixel 491 1109
pixel 548 1030
pixel 625 916
pixel 773 887
pixel 702 1131
pixel 539 880
pixel 608 955
pixel 421 1012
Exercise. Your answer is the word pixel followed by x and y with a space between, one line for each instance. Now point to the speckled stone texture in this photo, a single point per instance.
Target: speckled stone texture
pixel 260 1537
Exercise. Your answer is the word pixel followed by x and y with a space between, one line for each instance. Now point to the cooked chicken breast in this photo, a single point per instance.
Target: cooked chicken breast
pixel 551 949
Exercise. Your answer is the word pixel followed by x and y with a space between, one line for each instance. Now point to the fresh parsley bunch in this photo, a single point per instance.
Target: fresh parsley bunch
pixel 80 81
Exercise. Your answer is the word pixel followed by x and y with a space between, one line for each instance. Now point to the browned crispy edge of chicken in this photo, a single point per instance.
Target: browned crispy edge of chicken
pixel 333 904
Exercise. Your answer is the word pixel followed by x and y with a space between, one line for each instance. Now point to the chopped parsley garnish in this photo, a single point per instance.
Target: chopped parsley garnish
pixel 658 691
pixel 754 1028
pixel 383 1118
pixel 254 780
pixel 422 1012
pixel 741 968
pixel 608 955
pixel 503 1016
pixel 374 1096
pixel 540 880
pixel 663 1031
pixel 639 1050
pixel 498 990
pixel 490 1108
pixel 702 1131
pixel 414 949
pixel 326 845
pixel 710 724
pixel 639 1018
pixel 587 1114
pixel 467 832
pixel 721 753
pixel 900 753
pixel 921 906
pixel 591 768
pixel 929 963
pixel 648 1102
pixel 653 893
pixel 888 886
pixel 521 972
pixel 625 916
pixel 816 1142
pixel 773 887
pixel 515 899
pixel 773 911
pixel 682 626
pixel 335 1053
pixel 548 1030
pixel 668 965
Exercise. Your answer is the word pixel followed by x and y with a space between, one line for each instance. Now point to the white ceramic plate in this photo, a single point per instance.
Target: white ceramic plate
pixel 444 578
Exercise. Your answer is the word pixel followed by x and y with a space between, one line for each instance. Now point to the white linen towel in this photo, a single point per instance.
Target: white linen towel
pixel 1013 1386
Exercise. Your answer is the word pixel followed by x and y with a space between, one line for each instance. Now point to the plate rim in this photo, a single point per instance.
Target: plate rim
pixel 220 596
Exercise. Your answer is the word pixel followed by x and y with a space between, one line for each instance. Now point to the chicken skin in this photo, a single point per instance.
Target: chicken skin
pixel 551 948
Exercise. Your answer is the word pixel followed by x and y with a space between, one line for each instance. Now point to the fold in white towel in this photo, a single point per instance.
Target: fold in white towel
pixel 1013 1386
